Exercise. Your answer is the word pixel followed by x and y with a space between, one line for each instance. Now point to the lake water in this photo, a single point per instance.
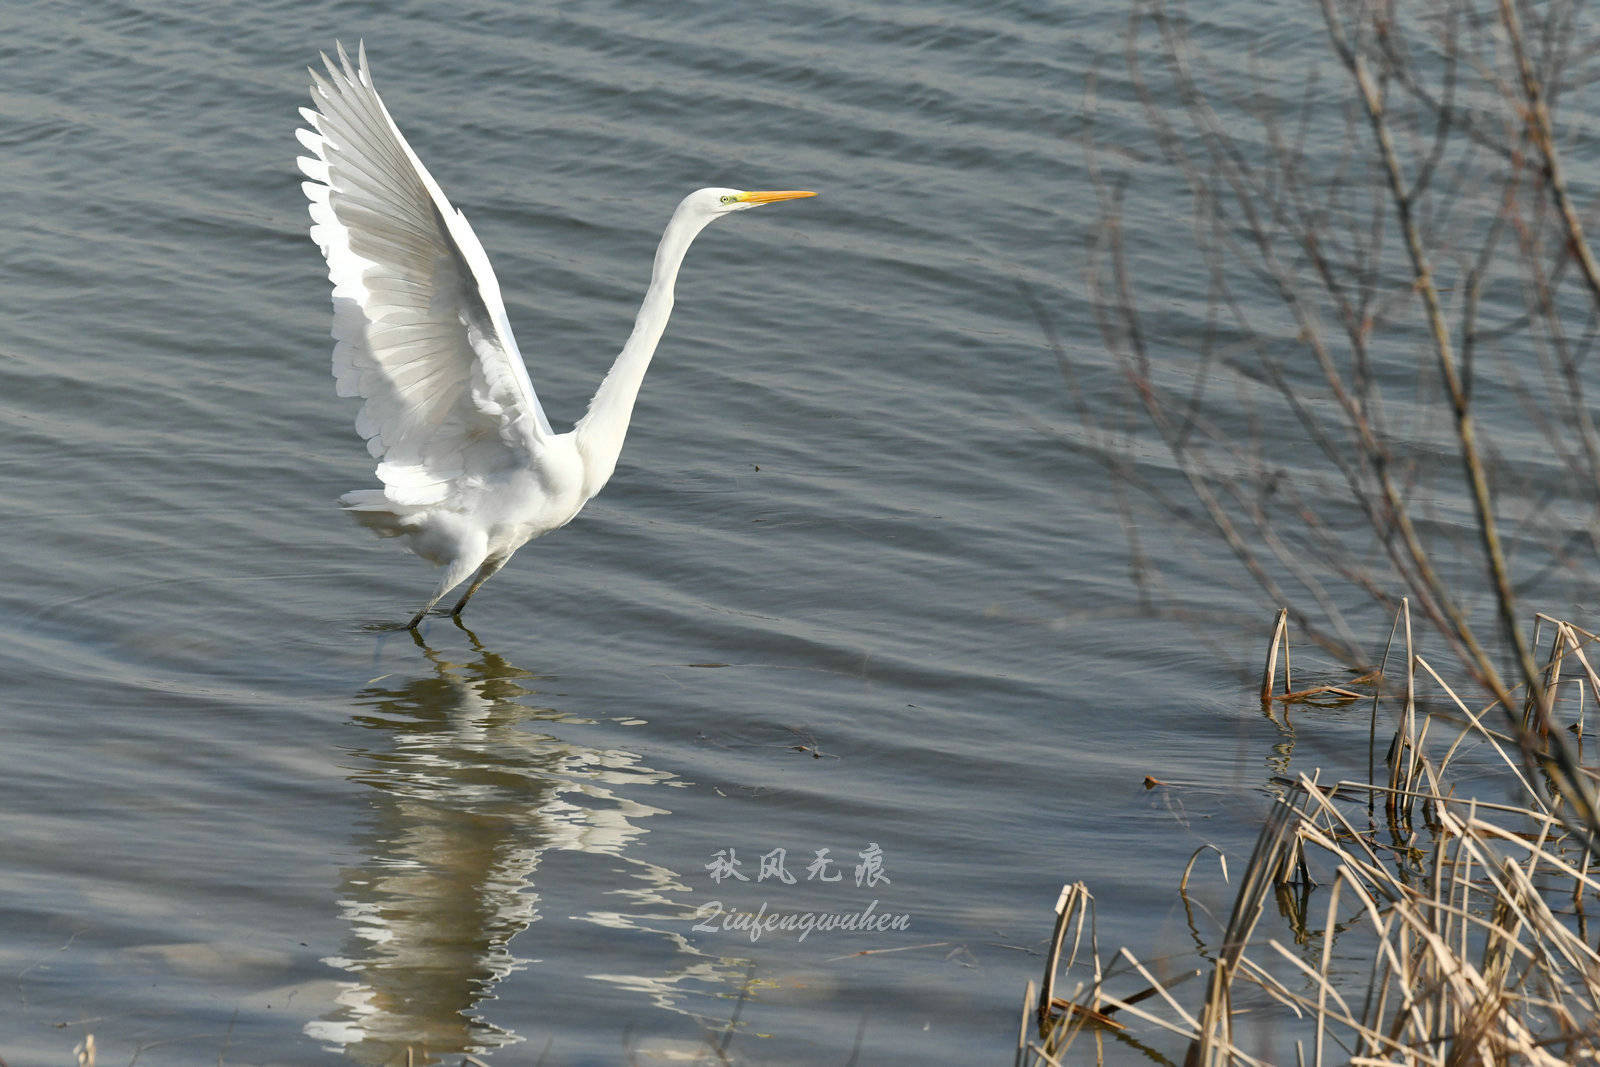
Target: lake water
pixel 848 591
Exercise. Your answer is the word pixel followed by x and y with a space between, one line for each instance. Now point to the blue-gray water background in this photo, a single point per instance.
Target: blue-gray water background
pixel 848 587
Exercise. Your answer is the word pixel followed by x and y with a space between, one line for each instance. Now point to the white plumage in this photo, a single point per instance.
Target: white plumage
pixel 470 466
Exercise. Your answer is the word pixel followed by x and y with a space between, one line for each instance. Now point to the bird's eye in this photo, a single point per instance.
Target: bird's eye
pixel 729 199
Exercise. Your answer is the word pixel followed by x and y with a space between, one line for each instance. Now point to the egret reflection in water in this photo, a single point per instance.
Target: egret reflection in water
pixel 469 790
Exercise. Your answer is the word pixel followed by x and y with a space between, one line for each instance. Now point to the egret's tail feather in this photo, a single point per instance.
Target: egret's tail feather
pixel 378 513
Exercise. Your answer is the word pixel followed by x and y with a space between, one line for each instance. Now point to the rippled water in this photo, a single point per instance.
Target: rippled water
pixel 847 589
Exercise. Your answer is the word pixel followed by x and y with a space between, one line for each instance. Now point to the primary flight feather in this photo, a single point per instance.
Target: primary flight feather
pixel 470 466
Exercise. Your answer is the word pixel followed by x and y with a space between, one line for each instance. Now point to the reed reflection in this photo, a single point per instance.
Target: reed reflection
pixel 467 794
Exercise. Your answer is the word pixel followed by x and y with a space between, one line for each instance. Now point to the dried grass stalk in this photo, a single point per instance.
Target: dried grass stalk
pixel 1462 941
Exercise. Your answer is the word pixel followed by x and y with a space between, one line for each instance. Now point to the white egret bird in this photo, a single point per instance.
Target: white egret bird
pixel 470 466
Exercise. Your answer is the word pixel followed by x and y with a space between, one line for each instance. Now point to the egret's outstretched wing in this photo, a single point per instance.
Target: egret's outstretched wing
pixel 420 328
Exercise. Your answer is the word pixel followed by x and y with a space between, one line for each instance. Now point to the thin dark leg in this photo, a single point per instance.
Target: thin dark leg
pixel 485 572
pixel 453 574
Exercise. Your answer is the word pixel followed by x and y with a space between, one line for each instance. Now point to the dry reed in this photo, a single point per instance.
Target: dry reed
pixel 1445 929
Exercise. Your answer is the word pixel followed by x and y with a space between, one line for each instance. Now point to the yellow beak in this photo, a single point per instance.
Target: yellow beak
pixel 774 195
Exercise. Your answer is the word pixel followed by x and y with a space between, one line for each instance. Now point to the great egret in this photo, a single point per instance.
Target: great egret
pixel 470 466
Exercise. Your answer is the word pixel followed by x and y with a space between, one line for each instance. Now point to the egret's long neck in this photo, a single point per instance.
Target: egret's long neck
pixel 600 432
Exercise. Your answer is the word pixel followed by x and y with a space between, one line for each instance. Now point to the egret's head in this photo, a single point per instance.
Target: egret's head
pixel 715 203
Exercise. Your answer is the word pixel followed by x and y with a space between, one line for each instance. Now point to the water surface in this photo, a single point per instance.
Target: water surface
pixel 848 590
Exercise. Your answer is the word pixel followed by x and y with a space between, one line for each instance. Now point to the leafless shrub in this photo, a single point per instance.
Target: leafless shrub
pixel 1390 267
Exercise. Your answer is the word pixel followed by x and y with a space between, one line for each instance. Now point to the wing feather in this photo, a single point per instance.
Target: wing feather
pixel 420 330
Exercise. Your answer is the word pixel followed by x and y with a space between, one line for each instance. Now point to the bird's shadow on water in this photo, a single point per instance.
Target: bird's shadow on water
pixel 468 789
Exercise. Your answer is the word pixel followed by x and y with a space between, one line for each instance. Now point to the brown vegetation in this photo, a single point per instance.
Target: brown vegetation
pixel 1420 926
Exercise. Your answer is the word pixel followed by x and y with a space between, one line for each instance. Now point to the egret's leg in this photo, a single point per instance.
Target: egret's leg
pixel 454 573
pixel 485 572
